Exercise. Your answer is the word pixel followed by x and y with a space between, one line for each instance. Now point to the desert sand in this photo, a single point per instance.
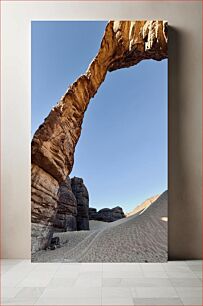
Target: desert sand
pixel 139 238
pixel 139 208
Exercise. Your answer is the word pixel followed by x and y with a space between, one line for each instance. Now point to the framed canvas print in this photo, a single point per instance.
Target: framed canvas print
pixel 99 141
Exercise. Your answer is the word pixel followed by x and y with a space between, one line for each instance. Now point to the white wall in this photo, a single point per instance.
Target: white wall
pixel 184 112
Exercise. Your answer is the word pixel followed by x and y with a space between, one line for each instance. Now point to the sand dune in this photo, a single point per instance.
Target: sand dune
pixel 142 206
pixel 138 238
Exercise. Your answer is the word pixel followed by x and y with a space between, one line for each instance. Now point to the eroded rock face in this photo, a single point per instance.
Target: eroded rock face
pixel 41 236
pixel 82 197
pixel 106 214
pixel 125 43
pixel 65 219
pixel 44 191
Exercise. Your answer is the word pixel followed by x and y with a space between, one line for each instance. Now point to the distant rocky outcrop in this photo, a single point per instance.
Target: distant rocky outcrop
pixel 106 214
pixel 92 213
pixel 82 198
pixel 124 44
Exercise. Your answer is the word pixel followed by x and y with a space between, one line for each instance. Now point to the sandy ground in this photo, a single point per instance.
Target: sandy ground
pixel 139 238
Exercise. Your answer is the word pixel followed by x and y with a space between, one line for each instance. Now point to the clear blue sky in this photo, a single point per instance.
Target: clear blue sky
pixel 122 151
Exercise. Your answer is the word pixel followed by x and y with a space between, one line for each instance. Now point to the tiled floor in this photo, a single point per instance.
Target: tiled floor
pixel 172 283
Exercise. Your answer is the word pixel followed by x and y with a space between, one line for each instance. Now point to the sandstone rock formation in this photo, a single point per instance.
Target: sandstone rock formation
pixel 106 214
pixel 125 43
pixel 44 191
pixel 82 198
pixel 65 219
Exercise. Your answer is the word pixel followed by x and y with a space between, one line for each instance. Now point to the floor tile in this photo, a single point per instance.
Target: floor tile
pixel 155 274
pixel 88 282
pixel 112 282
pixel 91 267
pixel 69 301
pixel 122 274
pixel 4 301
pixel 155 292
pixel 152 267
pixel 174 263
pixel 179 274
pixel 28 292
pixel 89 279
pixel 61 282
pixel 185 282
pixel 21 301
pixel 189 291
pixel 117 301
pixel 172 283
pixel 196 268
pixel 68 267
pixel 90 274
pixel 15 275
pixel 113 267
pixel 115 292
pixel 67 273
pixel 192 301
pixel 9 292
pixel 146 282
pixel 6 268
pixel 193 262
pixel 177 268
pixel 36 280
pixel 11 261
pixel 198 274
pixel 73 292
pixel 46 267
pixel 157 301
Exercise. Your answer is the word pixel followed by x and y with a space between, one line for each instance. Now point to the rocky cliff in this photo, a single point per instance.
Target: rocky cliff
pixel 82 198
pixel 125 43
pixel 65 219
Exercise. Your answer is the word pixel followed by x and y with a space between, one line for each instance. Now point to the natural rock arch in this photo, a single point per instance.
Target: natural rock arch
pixel 124 44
